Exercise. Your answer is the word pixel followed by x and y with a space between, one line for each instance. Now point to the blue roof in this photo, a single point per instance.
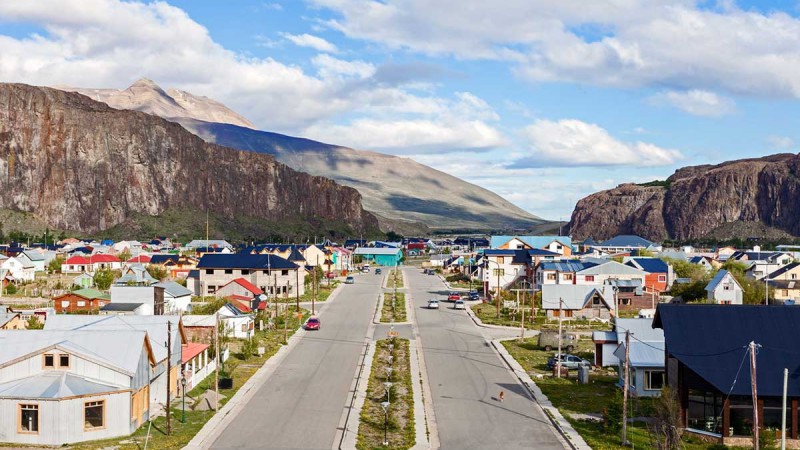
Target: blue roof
pixel 565 266
pixel 161 259
pixel 533 241
pixel 711 340
pixel 626 240
pixel 696 259
pixel 499 252
pixel 244 261
pixel 783 270
pixel 650 265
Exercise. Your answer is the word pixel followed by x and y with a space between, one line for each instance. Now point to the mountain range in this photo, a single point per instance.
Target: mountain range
pixel 745 198
pixel 404 194
pixel 77 164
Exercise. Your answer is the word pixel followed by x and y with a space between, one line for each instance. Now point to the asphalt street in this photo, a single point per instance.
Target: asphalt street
pixel 300 405
pixel 466 377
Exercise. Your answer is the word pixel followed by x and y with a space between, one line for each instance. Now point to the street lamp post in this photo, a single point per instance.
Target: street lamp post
pixel 183 411
pixel 389 374
pixel 387 385
pixel 385 406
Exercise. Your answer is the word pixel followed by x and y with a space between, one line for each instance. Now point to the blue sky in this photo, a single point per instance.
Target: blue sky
pixel 542 102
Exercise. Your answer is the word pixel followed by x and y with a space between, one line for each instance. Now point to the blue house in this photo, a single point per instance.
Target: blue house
pixel 380 256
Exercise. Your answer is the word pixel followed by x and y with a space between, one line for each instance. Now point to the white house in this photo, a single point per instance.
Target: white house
pixel 578 301
pixel 33 258
pixel 22 270
pixel 723 289
pixel 610 270
pixel 645 366
pixel 60 387
pixel 237 323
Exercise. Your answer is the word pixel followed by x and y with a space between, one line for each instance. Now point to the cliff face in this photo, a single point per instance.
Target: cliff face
pixel 697 200
pixel 80 165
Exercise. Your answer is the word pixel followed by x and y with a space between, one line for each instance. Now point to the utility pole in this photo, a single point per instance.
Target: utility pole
pixel 169 368
pixel 286 313
pixel 219 362
pixel 625 381
pixel 498 290
pixel 783 409
pixel 314 288
pixel 297 289
pixel 558 356
pixel 752 349
pixel 522 311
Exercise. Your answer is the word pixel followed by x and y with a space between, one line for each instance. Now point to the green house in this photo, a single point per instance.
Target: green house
pixel 380 256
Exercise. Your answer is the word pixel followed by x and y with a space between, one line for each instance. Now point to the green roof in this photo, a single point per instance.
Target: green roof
pixel 92 293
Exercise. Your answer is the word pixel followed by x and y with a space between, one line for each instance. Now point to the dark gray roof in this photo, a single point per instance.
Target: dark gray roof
pixel 244 261
pixel 121 307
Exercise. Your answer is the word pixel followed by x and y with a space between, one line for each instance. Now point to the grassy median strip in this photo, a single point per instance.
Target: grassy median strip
pixel 325 291
pixel 393 311
pixel 399 429
pixel 242 364
pixel 395 279
pixel 593 399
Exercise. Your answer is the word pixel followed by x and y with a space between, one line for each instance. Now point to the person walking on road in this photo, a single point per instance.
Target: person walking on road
pixel 502 396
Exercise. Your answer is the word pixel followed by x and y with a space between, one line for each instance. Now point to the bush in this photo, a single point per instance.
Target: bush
pixel 249 348
pixel 11 289
pixel 612 415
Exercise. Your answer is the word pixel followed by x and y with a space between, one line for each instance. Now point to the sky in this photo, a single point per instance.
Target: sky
pixel 542 102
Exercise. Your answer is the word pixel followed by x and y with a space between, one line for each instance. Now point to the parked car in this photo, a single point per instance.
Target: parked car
pixel 571 362
pixel 312 323
pixel 330 275
pixel 459 304
pixel 433 304
pixel 473 296
pixel 548 339
pixel 349 280
pixel 454 296
pixel 378 271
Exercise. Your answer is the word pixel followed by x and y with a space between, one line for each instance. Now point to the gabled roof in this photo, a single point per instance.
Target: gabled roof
pixel 643 354
pixel 174 289
pixel 211 243
pixel 641 330
pixel 244 261
pixel 783 270
pixel 296 255
pixel 53 385
pixel 575 296
pixel 135 273
pixel 711 340
pixel 250 287
pixel 191 350
pixel 162 259
pixel 649 265
pixel 91 294
pixel 712 285
pixel 612 268
pixel 533 241
pixel 33 256
pixel 565 266
pixel 144 259
pixel 698 259
pixel 626 240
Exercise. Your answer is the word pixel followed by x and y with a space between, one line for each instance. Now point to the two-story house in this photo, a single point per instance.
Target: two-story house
pixel 785 283
pixel 559 272
pixel 724 289
pixel 272 274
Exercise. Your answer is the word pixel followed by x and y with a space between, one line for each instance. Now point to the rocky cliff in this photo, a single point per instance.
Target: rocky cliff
pixel 401 191
pixel 695 202
pixel 78 164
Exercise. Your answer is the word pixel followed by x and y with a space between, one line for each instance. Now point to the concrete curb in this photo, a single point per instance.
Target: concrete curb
pixel 219 421
pixel 376 319
pixel 422 388
pixel 348 424
pixel 569 435
pixel 480 323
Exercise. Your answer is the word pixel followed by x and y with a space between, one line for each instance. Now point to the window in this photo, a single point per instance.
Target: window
pixel 209 271
pixel 212 289
pixel 568 276
pixel 596 301
pixel 245 272
pixel 81 303
pixel 551 276
pixel 49 361
pixel 284 273
pixel 589 277
pixel 653 380
pixel 94 415
pixel 500 260
pixel 28 419
pixel 265 272
pixel 662 278
pixel 63 360
pixel 65 303
pixel 229 271
pixel 498 272
pixel 244 328
pixel 725 302
pixel 794 276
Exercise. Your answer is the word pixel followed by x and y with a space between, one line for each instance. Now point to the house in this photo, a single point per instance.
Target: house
pixel 177 266
pixel 196 364
pixel 124 309
pixel 272 274
pixel 578 301
pixel 84 301
pixel 610 270
pixel 176 297
pixel 556 244
pixel 785 282
pixel 380 256
pixel 61 387
pixel 167 297
pixel 33 258
pixel 705 349
pixel 91 263
pixel 625 244
pixel 135 275
pixel 239 287
pixel 705 262
pixel 723 289
pixel 238 324
pixel 155 329
pixel 342 258
pixel 21 269
pixel 659 276
pixel 559 272
pixel 83 280
pixel 203 244
pixel 759 264
pixel 12 321
pixel 645 358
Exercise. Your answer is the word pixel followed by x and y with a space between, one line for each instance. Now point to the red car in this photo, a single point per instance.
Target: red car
pixel 312 323
pixel 330 275
pixel 453 297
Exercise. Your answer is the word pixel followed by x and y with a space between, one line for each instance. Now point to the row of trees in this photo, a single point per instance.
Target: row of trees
pixel 754 290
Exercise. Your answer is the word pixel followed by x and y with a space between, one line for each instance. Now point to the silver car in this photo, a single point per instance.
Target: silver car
pixel 459 304
pixel 433 304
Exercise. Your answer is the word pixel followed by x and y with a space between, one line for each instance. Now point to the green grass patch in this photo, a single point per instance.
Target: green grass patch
pixel 241 365
pixel 395 279
pixel 393 311
pixel 400 430
pixel 487 312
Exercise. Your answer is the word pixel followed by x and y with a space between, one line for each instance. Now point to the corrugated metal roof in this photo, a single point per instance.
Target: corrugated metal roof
pixel 199 320
pixel 174 289
pixel 626 240
pixel 604 336
pixel 650 265
pixel 643 354
pixel 244 261
pixel 377 251
pixel 612 268
pixel 564 266
pixel 53 385
pixel 641 330
pixel 574 296
pixel 533 241
pixel 124 307
pixel 711 341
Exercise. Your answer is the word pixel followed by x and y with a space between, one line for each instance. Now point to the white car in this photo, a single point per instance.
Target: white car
pixel 459 304
pixel 433 304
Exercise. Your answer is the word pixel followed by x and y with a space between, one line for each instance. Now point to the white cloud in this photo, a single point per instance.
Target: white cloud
pixel 110 43
pixel 780 142
pixel 696 102
pixel 633 43
pixel 575 143
pixel 310 41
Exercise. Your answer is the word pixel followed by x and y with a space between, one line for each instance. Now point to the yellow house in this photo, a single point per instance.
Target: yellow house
pixel 786 282
pixel 12 321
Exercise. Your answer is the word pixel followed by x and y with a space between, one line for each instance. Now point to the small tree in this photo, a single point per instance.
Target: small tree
pixel 103 279
pixel 612 415
pixel 55 264
pixel 33 323
pixel 157 272
pixel 124 255
pixel 666 429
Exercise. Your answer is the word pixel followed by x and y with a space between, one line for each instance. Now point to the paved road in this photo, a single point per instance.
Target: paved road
pixel 301 404
pixel 466 376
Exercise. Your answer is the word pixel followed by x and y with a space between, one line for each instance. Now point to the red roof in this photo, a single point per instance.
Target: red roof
pixel 77 260
pixel 262 305
pixel 92 259
pixel 247 285
pixel 240 302
pixel 191 350
pixel 140 259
